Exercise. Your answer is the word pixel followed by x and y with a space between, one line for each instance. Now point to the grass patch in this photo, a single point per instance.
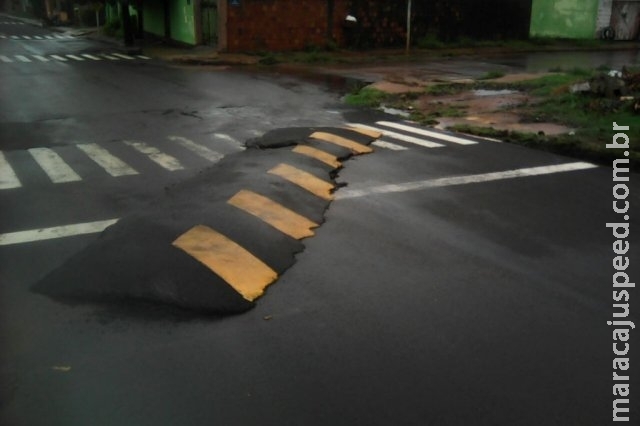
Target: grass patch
pixel 492 75
pixel 367 97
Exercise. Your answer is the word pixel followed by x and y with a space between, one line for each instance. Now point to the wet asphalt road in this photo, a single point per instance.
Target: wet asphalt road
pixel 469 302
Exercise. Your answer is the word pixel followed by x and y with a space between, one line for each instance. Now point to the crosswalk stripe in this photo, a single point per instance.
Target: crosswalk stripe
pixel 389 145
pixel 142 57
pixel 112 58
pixel 59 58
pixel 95 58
pixel 305 180
pixel 318 154
pixel 8 178
pixel 242 270
pixel 26 37
pixel 225 137
pixel 55 232
pixel 14 37
pixel 428 133
pixel 38 37
pixel 5 59
pixel 163 160
pixel 400 136
pixel 283 219
pixel 22 58
pixel 120 55
pixel 53 165
pixel 111 164
pixel 41 58
pixel 354 146
pixel 198 149
pixel 74 57
pixel 48 37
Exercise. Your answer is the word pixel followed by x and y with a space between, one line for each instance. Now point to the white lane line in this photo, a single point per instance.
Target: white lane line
pixel 54 166
pixel 41 58
pixel 8 178
pixel 22 58
pixel 59 58
pixel 398 136
pixel 111 164
pixel 463 180
pixel 389 145
pixel 5 59
pixel 200 150
pixel 163 160
pixel 74 57
pixel 94 58
pixel 41 234
pixel 428 133
pixel 120 55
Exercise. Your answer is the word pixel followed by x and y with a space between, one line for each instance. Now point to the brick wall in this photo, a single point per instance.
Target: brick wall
pixel 279 25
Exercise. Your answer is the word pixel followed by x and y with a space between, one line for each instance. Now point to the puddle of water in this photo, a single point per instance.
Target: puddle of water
pixel 395 111
pixel 484 92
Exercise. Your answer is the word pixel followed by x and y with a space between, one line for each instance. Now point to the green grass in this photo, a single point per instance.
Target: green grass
pixel 367 97
pixel 490 75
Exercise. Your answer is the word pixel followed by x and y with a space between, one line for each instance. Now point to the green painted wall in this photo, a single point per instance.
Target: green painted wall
pixel 182 19
pixel 183 24
pixel 574 19
pixel 153 13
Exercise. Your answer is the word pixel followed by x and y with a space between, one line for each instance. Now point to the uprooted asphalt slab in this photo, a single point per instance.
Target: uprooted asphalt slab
pixel 135 262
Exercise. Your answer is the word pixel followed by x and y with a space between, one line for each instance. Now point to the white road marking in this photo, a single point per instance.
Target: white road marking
pixel 74 57
pixel 428 133
pixel 142 57
pixel 5 59
pixel 226 138
pixel 120 55
pixel 38 37
pixel 8 178
pixel 398 136
pixel 389 145
pixel 112 58
pixel 463 180
pixel 94 58
pixel 54 166
pixel 48 37
pixel 59 58
pixel 200 150
pixel 41 58
pixel 32 235
pixel 22 58
pixel 26 37
pixel 111 164
pixel 15 37
pixel 163 160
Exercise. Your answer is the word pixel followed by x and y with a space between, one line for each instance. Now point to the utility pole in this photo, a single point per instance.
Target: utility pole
pixel 408 26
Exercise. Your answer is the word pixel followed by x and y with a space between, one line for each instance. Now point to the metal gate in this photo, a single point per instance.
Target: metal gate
pixel 209 10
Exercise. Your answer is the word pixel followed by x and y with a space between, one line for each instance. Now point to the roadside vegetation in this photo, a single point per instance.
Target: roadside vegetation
pixel 554 102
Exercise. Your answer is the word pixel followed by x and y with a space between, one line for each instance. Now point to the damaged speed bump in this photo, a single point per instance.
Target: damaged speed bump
pixel 216 241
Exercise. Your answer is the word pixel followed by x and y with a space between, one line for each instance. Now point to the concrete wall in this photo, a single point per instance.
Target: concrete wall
pixel 575 19
pixel 153 12
pixel 604 14
pixel 183 21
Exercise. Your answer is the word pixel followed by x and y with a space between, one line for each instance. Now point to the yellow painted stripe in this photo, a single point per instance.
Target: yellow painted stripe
pixel 247 274
pixel 304 180
pixel 371 133
pixel 285 220
pixel 355 147
pixel 318 154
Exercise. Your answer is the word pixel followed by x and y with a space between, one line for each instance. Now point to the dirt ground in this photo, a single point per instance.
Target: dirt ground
pixel 501 110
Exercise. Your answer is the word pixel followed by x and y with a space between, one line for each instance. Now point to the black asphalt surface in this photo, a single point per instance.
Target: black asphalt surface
pixel 476 304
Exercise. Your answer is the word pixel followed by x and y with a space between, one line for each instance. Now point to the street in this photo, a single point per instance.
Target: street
pixel 450 281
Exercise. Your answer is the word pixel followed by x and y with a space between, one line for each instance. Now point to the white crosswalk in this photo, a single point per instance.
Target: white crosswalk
pixel 79 57
pixel 37 37
pixel 397 136
pixel 59 171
